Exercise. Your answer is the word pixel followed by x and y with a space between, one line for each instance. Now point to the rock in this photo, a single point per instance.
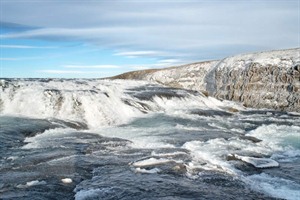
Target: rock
pixel 233 110
pixel 258 80
pixel 189 76
pixel 250 138
pixel 297 67
pixel 258 162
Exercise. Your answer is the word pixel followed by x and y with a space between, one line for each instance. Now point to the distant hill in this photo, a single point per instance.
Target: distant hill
pixel 260 80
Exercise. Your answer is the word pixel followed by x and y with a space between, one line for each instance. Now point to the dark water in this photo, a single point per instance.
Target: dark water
pixel 102 140
pixel 101 167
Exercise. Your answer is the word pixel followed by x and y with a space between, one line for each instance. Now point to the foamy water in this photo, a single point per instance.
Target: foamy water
pixel 98 139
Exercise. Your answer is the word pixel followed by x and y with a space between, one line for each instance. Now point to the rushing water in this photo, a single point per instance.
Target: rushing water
pixel 98 139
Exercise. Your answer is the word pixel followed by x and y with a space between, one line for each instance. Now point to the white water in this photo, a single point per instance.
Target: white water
pixel 279 138
pixel 280 143
pixel 96 102
pixel 45 140
pixel 101 105
pixel 274 186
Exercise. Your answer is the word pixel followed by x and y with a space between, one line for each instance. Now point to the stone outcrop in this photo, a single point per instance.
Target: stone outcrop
pixel 191 76
pixel 260 80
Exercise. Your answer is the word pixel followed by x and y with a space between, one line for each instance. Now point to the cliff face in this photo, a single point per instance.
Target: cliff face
pixel 191 76
pixel 259 80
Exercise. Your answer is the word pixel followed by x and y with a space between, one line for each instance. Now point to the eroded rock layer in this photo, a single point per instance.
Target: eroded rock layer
pixel 261 80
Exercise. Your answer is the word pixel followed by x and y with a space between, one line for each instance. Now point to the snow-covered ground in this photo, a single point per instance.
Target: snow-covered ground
pixel 261 80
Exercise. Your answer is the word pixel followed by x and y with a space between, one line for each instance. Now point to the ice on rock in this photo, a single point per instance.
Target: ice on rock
pixel 66 180
pixel 261 80
pixel 256 162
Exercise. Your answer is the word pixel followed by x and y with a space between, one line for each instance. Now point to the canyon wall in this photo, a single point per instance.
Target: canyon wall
pixel 259 80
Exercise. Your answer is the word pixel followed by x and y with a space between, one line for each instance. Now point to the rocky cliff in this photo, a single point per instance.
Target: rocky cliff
pixel 260 80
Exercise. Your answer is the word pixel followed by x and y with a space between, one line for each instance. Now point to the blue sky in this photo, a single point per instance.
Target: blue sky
pixel 91 39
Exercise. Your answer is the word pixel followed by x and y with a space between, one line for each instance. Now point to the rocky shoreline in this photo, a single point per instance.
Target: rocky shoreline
pixel 260 80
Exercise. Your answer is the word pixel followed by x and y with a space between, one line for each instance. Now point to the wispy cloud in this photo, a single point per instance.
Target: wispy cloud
pixel 92 66
pixel 140 67
pixel 169 61
pixel 24 47
pixel 8 59
pixel 185 30
pixel 133 54
pixel 159 64
pixel 74 73
pixel 65 72
pixel 21 58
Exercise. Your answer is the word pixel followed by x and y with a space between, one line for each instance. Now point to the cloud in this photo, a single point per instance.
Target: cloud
pixel 183 30
pixel 74 73
pixel 21 58
pixel 8 59
pixel 14 26
pixel 133 54
pixel 92 66
pixel 24 47
pixel 158 64
pixel 142 67
pixel 66 72
pixel 168 61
